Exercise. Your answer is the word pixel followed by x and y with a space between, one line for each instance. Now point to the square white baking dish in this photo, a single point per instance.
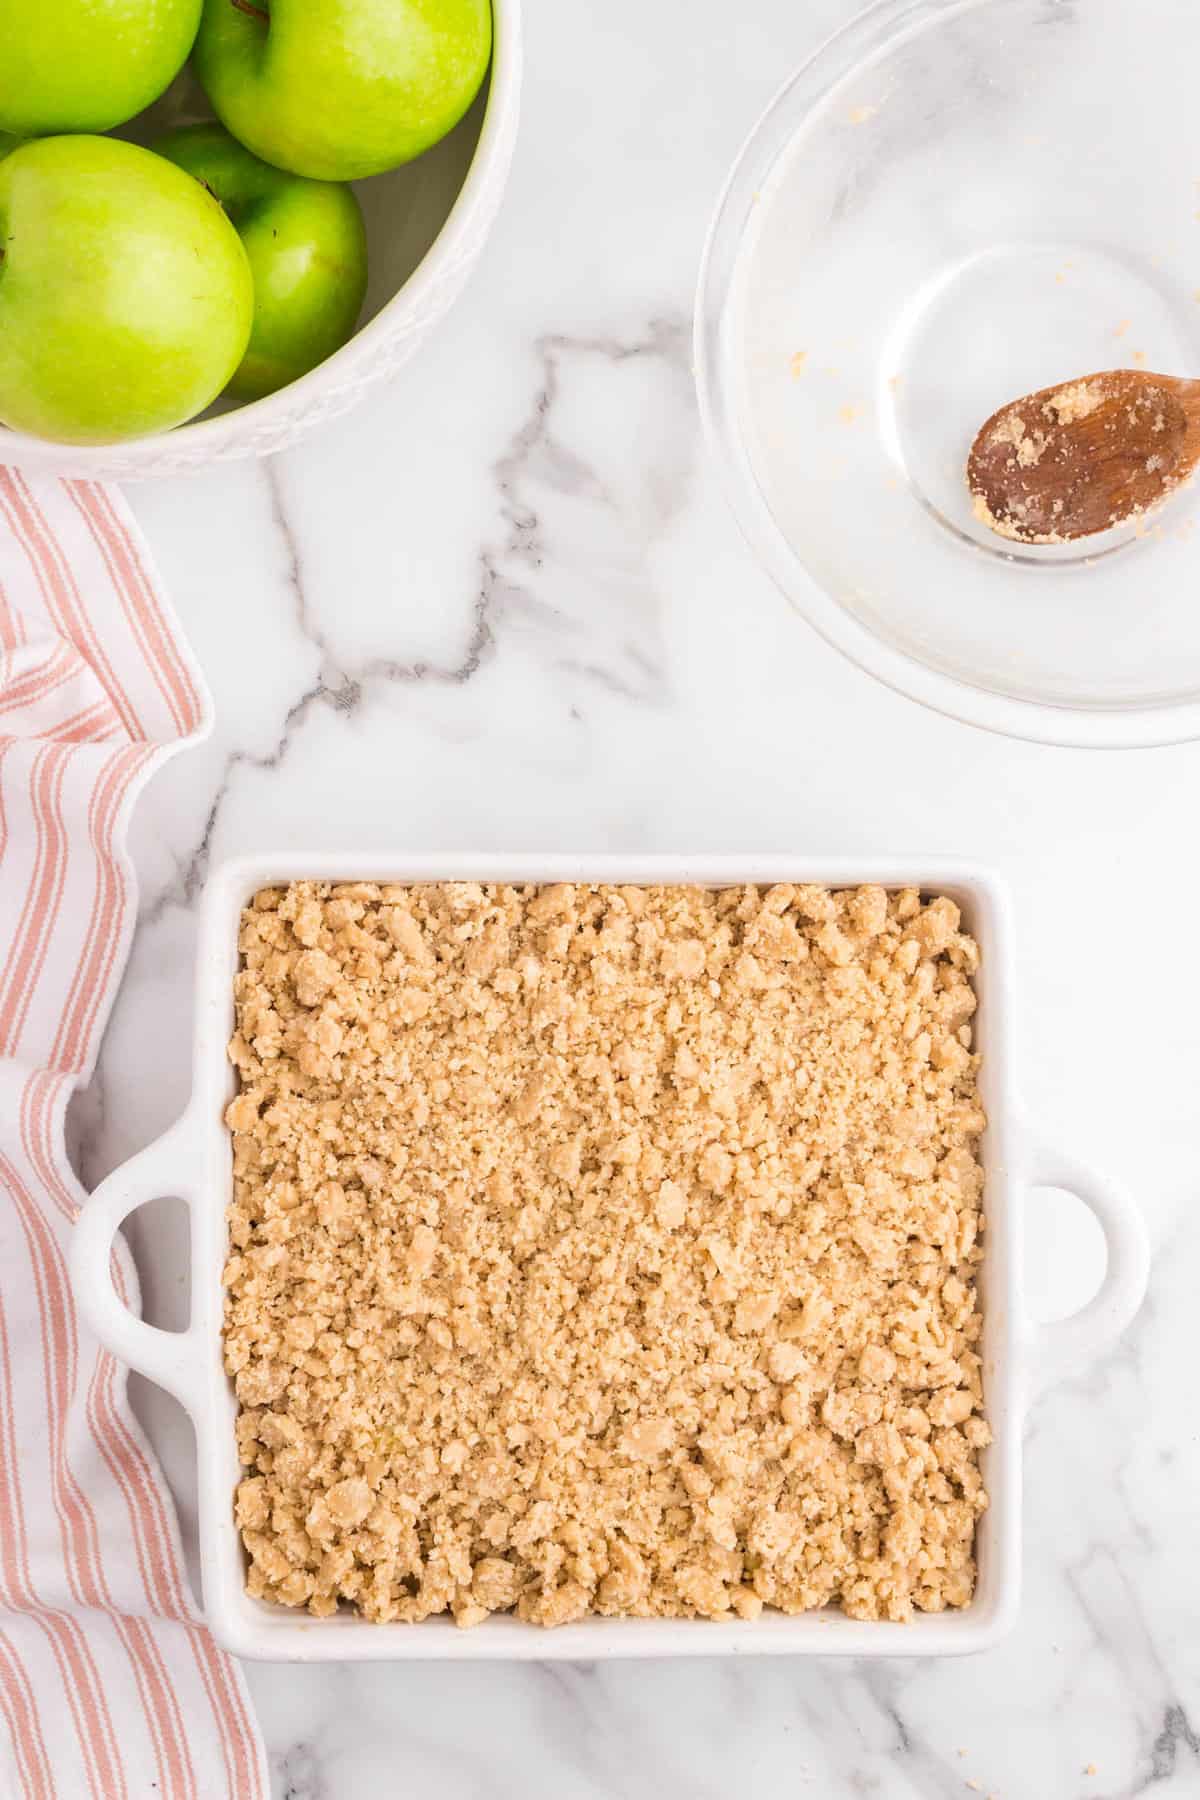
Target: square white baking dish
pixel 193 1160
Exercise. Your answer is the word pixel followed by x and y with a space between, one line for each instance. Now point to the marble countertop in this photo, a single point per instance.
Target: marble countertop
pixel 502 606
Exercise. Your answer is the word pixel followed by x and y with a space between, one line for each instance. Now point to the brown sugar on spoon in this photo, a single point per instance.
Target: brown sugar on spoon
pixel 1079 458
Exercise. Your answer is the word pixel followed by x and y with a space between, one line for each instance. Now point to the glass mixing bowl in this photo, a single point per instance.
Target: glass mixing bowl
pixel 953 203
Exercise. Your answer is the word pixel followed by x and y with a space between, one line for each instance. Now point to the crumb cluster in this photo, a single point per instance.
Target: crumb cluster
pixel 605 1250
pixel 1078 400
pixel 1027 446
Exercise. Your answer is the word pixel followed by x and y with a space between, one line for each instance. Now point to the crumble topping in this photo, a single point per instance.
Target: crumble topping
pixel 605 1249
pixel 1027 446
pixel 1078 400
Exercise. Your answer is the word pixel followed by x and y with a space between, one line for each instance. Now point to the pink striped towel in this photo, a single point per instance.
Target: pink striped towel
pixel 110 1686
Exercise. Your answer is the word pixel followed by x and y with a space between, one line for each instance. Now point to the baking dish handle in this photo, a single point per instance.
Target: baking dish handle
pixel 173 1359
pixel 1064 1346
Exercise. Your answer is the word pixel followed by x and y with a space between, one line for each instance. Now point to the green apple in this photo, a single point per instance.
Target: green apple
pixel 86 65
pixel 125 295
pixel 338 89
pixel 307 250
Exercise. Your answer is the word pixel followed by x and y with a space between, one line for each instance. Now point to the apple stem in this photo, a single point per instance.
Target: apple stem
pixel 254 12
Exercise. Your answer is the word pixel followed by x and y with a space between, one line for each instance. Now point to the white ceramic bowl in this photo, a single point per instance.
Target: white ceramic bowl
pixel 427 223
pixel 193 1160
pixel 956 202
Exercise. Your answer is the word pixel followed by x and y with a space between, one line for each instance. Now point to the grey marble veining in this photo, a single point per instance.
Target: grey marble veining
pixel 502 606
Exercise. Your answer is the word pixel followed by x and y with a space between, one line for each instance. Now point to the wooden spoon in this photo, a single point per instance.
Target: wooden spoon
pixel 1085 455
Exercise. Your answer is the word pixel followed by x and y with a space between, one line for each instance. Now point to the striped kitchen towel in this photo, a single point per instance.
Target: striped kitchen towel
pixel 110 1686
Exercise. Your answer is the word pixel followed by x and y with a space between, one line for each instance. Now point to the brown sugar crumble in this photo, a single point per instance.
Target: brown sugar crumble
pixel 1077 401
pixel 606 1250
